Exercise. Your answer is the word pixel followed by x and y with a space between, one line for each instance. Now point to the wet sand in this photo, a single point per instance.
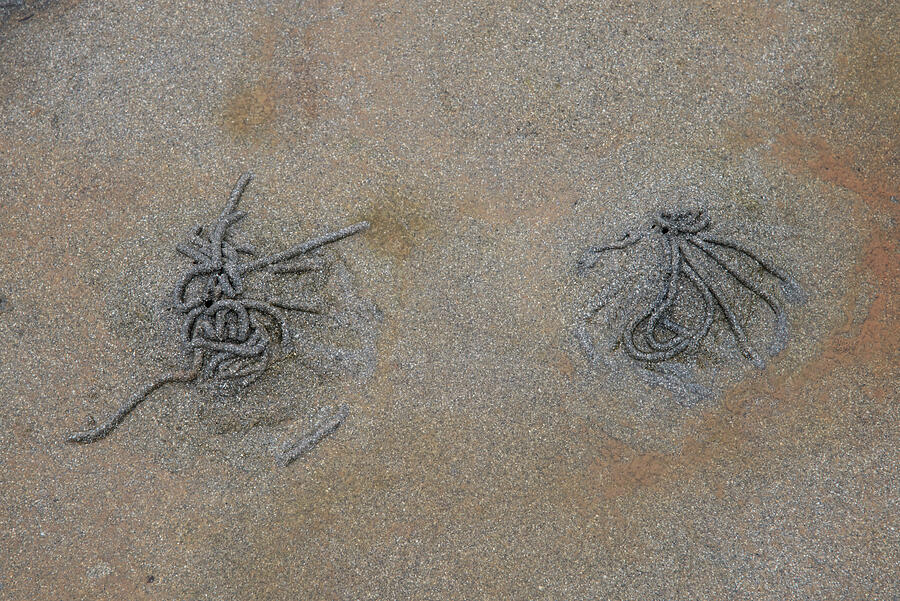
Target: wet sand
pixel 484 456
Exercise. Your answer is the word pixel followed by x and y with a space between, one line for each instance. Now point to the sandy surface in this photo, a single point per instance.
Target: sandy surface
pixel 488 143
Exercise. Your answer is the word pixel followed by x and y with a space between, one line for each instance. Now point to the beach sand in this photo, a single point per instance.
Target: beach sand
pixel 484 456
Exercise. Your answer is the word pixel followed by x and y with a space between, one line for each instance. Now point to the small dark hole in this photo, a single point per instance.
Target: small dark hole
pixel 665 230
pixel 150 579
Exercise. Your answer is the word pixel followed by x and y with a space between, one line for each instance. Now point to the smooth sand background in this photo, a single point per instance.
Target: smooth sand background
pixel 488 143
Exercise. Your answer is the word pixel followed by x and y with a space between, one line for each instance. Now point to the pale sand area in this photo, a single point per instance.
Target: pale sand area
pixel 488 143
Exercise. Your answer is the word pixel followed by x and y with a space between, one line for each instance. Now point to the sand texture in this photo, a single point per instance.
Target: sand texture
pixel 484 454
